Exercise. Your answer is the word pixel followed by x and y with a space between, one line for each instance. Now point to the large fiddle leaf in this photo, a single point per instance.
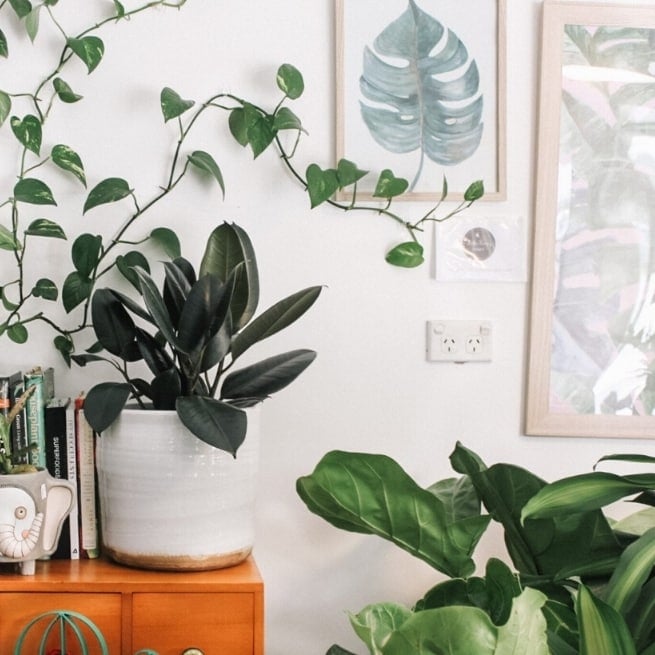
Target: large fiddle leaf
pixel 411 106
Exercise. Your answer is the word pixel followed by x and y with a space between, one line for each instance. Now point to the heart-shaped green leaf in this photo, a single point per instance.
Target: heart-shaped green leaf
pixel 407 255
pixel 109 190
pixel 167 240
pixel 238 126
pixel 89 49
pixel 172 104
pixel 475 191
pixel 348 173
pixel 289 81
pixel 64 92
pixel 5 106
pixel 321 184
pixel 85 253
pixel 69 160
pixel 4 49
pixel 33 191
pixel 28 131
pixel 205 162
pixel 7 241
pixel 65 347
pixel 390 186
pixel 260 130
pixel 21 7
pixel 285 119
pixel 75 291
pixel 17 333
pixel 42 227
pixel 46 289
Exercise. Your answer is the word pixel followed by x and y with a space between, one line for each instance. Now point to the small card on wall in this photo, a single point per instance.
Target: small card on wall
pixel 482 249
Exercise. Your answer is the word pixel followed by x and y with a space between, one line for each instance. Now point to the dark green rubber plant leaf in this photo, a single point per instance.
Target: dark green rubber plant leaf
pixel 104 403
pixel 408 106
pixel 214 422
pixel 260 380
pixel 372 494
pixel 113 326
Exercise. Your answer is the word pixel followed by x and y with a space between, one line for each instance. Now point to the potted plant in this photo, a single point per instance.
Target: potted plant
pixel 580 584
pixel 189 335
pixel 33 504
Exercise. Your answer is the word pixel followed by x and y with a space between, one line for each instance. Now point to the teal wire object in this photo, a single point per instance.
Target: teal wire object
pixel 67 624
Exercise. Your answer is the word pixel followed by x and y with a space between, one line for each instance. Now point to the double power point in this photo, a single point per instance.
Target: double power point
pixel 458 341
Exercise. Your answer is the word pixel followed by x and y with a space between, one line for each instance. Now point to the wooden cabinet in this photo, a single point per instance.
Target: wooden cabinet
pixel 215 612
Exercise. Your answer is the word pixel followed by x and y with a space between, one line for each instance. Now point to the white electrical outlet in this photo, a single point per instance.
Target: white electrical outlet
pixel 458 341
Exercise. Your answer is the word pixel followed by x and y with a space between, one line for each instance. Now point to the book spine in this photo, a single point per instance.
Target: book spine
pixel 71 462
pixel 35 419
pixel 56 462
pixel 86 476
pixel 19 441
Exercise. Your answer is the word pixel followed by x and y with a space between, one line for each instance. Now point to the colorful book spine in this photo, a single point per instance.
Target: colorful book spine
pixel 19 443
pixel 35 418
pixel 7 384
pixel 87 487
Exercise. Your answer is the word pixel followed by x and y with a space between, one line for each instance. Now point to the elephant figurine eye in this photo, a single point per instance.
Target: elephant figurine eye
pixel 20 512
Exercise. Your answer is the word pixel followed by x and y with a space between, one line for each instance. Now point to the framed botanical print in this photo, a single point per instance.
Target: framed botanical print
pixel 592 337
pixel 420 91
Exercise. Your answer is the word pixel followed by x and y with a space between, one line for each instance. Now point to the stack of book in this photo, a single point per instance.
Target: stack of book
pixel 51 432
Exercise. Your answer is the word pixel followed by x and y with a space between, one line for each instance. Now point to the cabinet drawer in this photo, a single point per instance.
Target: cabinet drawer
pixel 18 609
pixel 214 623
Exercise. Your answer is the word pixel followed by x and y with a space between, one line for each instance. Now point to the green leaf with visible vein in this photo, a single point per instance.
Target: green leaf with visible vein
pixel 205 162
pixel 67 159
pixel 172 104
pixel 33 191
pixel 90 49
pixel 372 494
pixel 42 227
pixel 28 131
pixel 109 190
pixel 64 92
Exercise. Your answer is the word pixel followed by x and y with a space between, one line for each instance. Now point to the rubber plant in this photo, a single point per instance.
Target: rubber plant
pixel 190 334
pixel 92 257
pixel 580 583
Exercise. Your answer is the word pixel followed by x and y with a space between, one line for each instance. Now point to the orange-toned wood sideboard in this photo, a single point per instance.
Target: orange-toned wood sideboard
pixel 216 612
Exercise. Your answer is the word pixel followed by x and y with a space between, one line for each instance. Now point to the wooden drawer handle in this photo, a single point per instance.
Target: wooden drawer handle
pixel 192 651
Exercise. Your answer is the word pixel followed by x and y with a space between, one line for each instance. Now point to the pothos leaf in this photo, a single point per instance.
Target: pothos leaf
pixel 4 49
pixel 21 7
pixel 32 23
pixel 33 191
pixel 5 106
pixel 167 240
pixel 42 227
pixel 17 333
pixel 46 289
pixel 109 190
pixel 89 49
pixel 7 241
pixel 69 160
pixel 290 82
pixel 28 131
pixel 64 92
pixel 406 255
pixel 390 186
pixel 172 104
pixel 204 161
pixel 120 10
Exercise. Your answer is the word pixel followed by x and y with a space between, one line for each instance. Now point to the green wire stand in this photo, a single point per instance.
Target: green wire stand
pixel 68 625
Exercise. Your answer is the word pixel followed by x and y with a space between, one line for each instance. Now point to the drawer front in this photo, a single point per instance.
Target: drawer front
pixel 215 624
pixel 18 609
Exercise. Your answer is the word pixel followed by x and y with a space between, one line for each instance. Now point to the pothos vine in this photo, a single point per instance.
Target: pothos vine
pixel 92 258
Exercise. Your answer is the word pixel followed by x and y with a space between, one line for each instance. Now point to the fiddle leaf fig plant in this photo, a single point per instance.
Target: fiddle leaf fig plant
pixel 26 112
pixel 581 584
pixel 190 334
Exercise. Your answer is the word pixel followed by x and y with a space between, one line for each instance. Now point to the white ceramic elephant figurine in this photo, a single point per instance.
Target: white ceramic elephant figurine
pixel 33 507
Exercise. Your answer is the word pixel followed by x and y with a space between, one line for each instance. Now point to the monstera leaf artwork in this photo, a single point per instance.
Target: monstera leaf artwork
pixel 420 91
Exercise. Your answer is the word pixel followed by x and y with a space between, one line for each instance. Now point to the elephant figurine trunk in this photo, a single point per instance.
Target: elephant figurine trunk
pixel 33 507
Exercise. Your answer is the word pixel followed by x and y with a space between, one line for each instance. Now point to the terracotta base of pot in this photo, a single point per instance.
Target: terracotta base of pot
pixel 178 562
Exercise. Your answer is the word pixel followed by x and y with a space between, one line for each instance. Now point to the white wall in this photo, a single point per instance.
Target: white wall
pixel 370 388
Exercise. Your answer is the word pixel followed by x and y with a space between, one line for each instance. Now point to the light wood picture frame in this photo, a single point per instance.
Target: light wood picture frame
pixel 592 334
pixel 427 107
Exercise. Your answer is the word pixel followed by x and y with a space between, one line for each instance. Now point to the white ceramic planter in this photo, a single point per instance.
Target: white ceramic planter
pixel 169 501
